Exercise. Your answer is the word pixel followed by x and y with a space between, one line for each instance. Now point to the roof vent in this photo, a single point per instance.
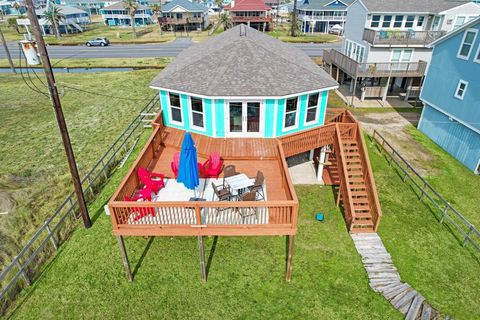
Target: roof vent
pixel 243 30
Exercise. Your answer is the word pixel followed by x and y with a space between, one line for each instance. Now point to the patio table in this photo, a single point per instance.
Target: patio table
pixel 239 182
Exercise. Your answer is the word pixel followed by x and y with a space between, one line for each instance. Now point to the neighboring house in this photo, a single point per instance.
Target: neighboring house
pixel 75 20
pixel 284 10
pixel 451 94
pixel 254 13
pixel 91 6
pixel 117 15
pixel 7 8
pixel 211 4
pixel 386 43
pixel 321 15
pixel 184 15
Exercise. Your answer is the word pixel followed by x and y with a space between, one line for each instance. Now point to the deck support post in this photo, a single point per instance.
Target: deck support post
pixel 288 274
pixel 202 258
pixel 338 75
pixel 123 253
pixel 321 162
pixel 354 89
pixel 409 88
pixel 384 97
pixel 311 154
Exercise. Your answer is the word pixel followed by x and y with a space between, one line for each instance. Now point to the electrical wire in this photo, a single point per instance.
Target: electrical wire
pixel 35 89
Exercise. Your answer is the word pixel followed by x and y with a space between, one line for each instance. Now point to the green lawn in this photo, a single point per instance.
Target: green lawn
pixel 246 275
pixel 101 62
pixel 33 168
pixel 426 254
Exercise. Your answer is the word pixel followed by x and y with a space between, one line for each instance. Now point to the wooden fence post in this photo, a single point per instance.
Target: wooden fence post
pixel 288 274
pixel 51 236
pixel 24 274
pixel 202 258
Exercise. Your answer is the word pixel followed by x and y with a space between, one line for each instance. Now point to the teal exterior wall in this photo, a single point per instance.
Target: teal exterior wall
pixel 273 118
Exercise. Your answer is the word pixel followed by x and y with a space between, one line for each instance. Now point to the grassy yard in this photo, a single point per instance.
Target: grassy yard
pixel 282 32
pixel 33 169
pixel 426 254
pixel 102 62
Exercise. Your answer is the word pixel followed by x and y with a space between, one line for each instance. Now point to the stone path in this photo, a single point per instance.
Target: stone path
pixel 385 279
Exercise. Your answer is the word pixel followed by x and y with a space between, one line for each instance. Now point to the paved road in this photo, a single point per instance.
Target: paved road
pixel 170 49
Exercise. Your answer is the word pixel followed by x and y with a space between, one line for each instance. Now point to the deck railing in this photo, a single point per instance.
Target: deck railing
pixel 182 20
pixel 380 69
pixel 401 37
pixel 445 211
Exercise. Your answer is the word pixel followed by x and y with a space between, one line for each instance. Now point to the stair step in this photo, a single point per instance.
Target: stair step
pixel 361 208
pixel 359 194
pixel 361 230
pixel 357 180
pixel 363 215
pixel 367 223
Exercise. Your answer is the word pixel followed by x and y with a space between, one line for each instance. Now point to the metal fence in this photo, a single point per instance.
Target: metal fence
pixel 467 231
pixel 24 267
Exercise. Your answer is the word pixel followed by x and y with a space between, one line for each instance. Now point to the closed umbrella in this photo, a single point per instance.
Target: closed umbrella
pixel 188 165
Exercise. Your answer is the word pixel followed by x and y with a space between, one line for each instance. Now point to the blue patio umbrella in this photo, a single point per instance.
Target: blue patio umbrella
pixel 188 166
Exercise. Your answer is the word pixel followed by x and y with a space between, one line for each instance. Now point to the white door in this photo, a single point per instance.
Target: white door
pixel 244 119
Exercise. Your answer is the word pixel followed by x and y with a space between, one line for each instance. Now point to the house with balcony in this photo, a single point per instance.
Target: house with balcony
pixel 116 15
pixel 451 95
pixel 9 8
pixel 75 20
pixel 249 101
pixel 321 15
pixel 386 49
pixel 184 15
pixel 254 13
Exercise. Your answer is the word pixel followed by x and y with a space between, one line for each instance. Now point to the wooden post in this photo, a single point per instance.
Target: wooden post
pixel 384 97
pixel 354 89
pixel 123 253
pixel 288 274
pixel 202 258
pixel 337 74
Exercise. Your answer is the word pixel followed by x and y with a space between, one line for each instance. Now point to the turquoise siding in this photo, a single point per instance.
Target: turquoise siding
pixel 458 140
pixel 273 116
pixel 220 117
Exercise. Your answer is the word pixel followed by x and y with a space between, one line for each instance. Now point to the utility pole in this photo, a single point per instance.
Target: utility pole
pixel 7 52
pixel 52 88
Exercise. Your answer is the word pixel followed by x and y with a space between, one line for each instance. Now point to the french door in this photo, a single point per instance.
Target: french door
pixel 244 119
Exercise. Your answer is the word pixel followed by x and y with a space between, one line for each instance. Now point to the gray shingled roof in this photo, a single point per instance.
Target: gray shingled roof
pixel 63 9
pixel 411 6
pixel 186 4
pixel 252 65
pixel 120 6
pixel 320 4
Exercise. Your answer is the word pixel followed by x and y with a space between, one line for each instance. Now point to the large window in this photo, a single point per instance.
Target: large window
pixel 420 21
pixel 409 22
pixel 312 108
pixel 467 44
pixel 477 56
pixel 375 22
pixel 461 89
pixel 459 21
pixel 387 21
pixel 175 108
pixel 398 22
pixel 291 111
pixel 197 113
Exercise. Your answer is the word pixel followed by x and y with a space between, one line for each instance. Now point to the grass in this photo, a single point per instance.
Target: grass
pixel 426 254
pixel 33 168
pixel 102 62
pixel 246 274
pixel 282 32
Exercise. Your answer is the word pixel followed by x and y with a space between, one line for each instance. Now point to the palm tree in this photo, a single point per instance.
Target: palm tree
pixel 225 20
pixel 294 24
pixel 156 12
pixel 219 4
pixel 54 15
pixel 131 6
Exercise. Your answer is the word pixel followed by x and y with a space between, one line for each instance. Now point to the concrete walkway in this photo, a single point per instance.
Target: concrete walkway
pixel 385 279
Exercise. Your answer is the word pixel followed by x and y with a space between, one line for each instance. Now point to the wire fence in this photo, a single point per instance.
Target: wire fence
pixel 25 266
pixel 467 233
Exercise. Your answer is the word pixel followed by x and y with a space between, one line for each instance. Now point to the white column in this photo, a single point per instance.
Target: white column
pixel 322 159
pixel 310 157
pixel 384 98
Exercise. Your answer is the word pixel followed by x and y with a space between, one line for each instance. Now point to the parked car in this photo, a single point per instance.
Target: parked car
pixel 336 29
pixel 98 42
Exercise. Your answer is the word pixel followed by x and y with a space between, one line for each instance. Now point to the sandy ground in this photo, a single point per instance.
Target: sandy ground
pixel 391 125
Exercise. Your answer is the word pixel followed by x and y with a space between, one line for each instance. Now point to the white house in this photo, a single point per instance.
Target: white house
pixel 321 15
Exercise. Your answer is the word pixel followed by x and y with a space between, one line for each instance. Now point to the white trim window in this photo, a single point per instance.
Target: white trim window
pixel 466 45
pixel 291 113
pixel 175 108
pixel 387 21
pixel 477 55
pixel 459 21
pixel 197 113
pixel 311 114
pixel 375 23
pixel 420 21
pixel 461 89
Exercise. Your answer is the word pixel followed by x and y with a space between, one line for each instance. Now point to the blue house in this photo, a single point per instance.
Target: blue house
pixel 226 87
pixel 451 94
pixel 8 8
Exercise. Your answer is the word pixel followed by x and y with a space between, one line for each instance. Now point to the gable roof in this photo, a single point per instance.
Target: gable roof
pixel 454 32
pixel 255 65
pixel 119 6
pixel 322 4
pixel 247 5
pixel 63 9
pixel 411 6
pixel 187 5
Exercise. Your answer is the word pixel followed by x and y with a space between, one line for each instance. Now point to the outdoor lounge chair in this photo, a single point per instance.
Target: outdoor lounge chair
pixel 139 212
pixel 228 171
pixel 147 178
pixel 175 164
pixel 213 166
pixel 258 185
pixel 223 193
